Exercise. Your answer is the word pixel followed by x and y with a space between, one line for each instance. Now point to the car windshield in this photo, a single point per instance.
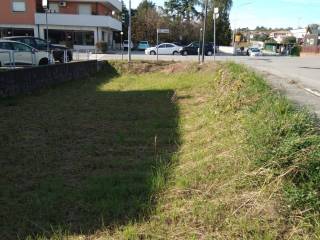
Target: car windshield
pixel 143 42
pixel 125 41
pixel 194 45
pixel 255 50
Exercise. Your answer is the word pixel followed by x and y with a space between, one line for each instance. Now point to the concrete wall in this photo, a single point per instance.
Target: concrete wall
pixel 22 81
pixel 227 50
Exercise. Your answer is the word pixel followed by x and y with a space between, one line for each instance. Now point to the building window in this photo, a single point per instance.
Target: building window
pixel 70 38
pixel 85 9
pixel 8 32
pixel 18 5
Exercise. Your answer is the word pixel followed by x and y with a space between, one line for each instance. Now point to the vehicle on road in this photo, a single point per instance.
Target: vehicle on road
pixel 41 45
pixel 164 49
pixel 253 52
pixel 126 45
pixel 143 45
pixel 22 54
pixel 193 48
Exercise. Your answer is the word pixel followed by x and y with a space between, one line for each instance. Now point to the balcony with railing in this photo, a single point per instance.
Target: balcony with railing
pixel 82 20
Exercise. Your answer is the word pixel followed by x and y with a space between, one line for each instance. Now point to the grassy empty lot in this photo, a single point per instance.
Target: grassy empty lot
pixel 168 151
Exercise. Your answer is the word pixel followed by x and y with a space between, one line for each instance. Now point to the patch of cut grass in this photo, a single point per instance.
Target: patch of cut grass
pixel 168 151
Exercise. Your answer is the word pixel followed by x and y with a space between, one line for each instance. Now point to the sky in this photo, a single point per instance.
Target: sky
pixel 271 13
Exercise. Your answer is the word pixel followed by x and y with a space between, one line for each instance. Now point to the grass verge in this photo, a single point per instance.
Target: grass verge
pixel 169 151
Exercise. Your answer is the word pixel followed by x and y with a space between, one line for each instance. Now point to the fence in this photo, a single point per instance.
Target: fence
pixel 310 50
pixel 13 58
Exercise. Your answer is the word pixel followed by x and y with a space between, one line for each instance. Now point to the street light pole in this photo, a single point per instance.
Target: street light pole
pixel 157 45
pixel 204 28
pixel 121 45
pixel 214 36
pixel 46 8
pixel 129 33
pixel 199 50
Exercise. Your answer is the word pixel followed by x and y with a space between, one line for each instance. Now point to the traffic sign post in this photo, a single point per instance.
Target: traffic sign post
pixel 45 3
pixel 160 30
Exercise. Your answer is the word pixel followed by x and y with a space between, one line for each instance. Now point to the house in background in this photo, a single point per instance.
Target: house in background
pixel 78 24
pixel 279 36
pixel 312 37
pixel 299 34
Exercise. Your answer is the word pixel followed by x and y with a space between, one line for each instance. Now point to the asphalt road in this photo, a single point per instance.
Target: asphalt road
pixel 298 78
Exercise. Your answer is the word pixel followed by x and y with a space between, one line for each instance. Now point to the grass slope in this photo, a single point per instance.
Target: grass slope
pixel 179 152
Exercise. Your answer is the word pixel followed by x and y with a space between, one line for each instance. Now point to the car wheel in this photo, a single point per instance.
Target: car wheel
pixel 184 53
pixel 209 53
pixel 0 64
pixel 44 61
pixel 153 53
pixel 175 53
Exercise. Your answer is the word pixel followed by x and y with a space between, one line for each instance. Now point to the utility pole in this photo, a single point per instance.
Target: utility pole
pixel 204 29
pixel 129 34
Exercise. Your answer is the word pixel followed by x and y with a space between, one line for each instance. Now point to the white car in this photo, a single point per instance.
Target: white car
pixel 255 52
pixel 126 45
pixel 164 49
pixel 22 54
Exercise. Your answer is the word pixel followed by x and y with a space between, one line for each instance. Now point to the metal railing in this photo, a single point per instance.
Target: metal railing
pixel 11 58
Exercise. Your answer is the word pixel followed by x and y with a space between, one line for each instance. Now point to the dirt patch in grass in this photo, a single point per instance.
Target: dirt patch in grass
pixel 140 67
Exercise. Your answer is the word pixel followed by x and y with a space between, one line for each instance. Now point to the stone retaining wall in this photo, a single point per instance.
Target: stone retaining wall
pixel 26 80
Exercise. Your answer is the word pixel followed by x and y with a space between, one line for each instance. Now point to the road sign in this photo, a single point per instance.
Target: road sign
pixel 45 3
pixel 216 10
pixel 216 15
pixel 163 30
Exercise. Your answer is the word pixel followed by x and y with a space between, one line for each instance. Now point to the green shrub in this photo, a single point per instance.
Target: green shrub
pixel 295 51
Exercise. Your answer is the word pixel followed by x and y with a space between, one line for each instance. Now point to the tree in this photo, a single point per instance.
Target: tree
pixel 290 40
pixel 146 21
pixel 223 31
pixel 185 10
pixel 125 20
pixel 261 37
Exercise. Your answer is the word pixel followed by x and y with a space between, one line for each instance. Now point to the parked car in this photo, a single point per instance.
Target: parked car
pixel 163 49
pixel 23 54
pixel 255 52
pixel 212 45
pixel 193 48
pixel 41 45
pixel 143 45
pixel 126 45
